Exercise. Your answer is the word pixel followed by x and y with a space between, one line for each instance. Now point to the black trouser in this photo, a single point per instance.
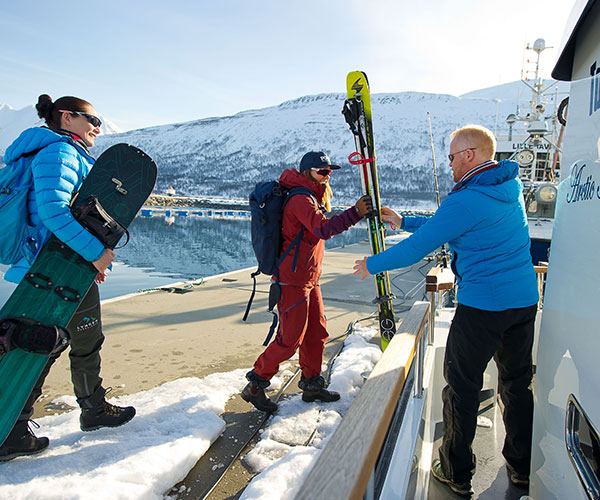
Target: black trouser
pixel 85 330
pixel 475 337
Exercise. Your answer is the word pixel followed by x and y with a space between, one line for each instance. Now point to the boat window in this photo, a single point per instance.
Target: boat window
pixel 583 445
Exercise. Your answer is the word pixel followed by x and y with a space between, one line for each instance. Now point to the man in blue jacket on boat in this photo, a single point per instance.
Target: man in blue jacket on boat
pixel 484 222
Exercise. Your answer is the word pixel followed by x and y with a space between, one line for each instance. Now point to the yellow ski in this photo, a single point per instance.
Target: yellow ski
pixel 357 111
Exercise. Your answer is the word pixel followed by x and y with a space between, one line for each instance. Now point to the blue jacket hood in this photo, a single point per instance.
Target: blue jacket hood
pixel 500 182
pixel 37 138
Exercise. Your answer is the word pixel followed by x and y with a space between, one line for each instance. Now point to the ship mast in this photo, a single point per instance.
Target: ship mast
pixel 536 121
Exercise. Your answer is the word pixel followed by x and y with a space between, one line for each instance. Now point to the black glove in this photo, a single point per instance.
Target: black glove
pixel 364 206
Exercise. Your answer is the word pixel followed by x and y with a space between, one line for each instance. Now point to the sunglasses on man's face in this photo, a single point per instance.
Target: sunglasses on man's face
pixel 322 171
pixel 94 120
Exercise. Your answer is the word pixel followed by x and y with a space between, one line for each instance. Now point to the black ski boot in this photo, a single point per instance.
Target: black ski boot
pixel 22 441
pixel 97 413
pixel 254 393
pixel 316 388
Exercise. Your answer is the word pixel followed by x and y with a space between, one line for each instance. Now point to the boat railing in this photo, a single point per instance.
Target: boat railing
pixel 541 269
pixel 347 466
pixel 437 281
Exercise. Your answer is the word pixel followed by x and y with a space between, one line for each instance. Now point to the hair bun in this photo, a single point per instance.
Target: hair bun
pixel 44 106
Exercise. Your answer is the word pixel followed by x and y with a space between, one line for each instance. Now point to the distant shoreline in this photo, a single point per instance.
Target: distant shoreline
pixel 162 200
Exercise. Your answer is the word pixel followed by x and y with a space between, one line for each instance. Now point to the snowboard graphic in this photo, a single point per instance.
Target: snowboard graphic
pixel 44 301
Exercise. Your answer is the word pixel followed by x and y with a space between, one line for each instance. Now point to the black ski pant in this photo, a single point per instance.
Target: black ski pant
pixel 475 337
pixel 85 330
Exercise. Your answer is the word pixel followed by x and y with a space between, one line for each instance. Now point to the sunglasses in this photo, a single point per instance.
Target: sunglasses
pixel 451 157
pixel 94 120
pixel 322 171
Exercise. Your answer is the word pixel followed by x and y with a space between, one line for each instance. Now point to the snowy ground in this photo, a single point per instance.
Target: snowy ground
pixel 175 425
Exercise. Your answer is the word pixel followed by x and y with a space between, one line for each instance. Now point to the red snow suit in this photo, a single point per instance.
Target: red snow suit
pixel 302 321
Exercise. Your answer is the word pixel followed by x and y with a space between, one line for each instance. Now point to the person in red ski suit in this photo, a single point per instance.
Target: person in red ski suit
pixel 301 312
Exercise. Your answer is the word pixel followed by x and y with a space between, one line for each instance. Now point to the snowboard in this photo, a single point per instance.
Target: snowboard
pixel 34 316
pixel 357 112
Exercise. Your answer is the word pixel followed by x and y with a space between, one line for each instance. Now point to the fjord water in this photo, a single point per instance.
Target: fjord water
pixel 191 247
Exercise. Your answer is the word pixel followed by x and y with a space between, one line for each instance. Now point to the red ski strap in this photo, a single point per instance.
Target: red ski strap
pixel 361 159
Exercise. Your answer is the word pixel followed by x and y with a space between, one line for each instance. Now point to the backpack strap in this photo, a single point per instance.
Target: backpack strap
pixel 253 276
pixel 300 190
pixel 294 244
pixel 31 153
pixel 274 296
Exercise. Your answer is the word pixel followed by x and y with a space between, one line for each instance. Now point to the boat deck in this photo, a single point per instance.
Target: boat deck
pixel 491 480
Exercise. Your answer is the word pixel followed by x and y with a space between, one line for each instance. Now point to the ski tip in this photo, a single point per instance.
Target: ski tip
pixel 356 83
pixel 358 74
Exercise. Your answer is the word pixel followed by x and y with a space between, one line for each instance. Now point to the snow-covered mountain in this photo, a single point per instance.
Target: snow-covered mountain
pixel 226 156
pixel 14 121
pixel 522 91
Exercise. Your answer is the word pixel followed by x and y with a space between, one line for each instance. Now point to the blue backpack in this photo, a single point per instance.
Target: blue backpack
pixel 15 181
pixel 267 201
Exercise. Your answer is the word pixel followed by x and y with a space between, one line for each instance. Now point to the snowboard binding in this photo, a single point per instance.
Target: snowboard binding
pixel 31 336
pixel 91 215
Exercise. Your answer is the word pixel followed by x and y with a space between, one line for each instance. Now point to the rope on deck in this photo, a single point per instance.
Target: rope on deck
pixel 187 287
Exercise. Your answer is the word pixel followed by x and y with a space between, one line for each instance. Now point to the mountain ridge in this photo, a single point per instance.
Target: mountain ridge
pixel 226 156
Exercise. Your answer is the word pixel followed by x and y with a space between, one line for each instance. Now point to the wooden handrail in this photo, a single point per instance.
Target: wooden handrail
pixel 439 278
pixel 344 467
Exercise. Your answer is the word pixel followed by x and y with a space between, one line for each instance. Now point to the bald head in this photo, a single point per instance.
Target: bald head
pixel 477 138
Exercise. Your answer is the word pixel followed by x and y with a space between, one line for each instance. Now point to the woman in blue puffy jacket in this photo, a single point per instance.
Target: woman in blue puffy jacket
pixel 62 160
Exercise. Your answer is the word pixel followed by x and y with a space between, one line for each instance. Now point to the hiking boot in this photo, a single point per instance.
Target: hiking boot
pixel 256 396
pixel 254 393
pixel 257 380
pixel 519 480
pixel 315 388
pixel 22 441
pixel 461 489
pixel 96 412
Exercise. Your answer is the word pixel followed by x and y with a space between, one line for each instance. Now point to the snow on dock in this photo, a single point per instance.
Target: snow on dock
pixel 180 359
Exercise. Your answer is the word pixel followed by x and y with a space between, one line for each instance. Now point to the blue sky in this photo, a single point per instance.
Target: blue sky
pixel 144 63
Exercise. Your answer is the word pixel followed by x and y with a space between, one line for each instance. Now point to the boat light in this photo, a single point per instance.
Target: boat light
pixel 525 157
pixel 547 193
